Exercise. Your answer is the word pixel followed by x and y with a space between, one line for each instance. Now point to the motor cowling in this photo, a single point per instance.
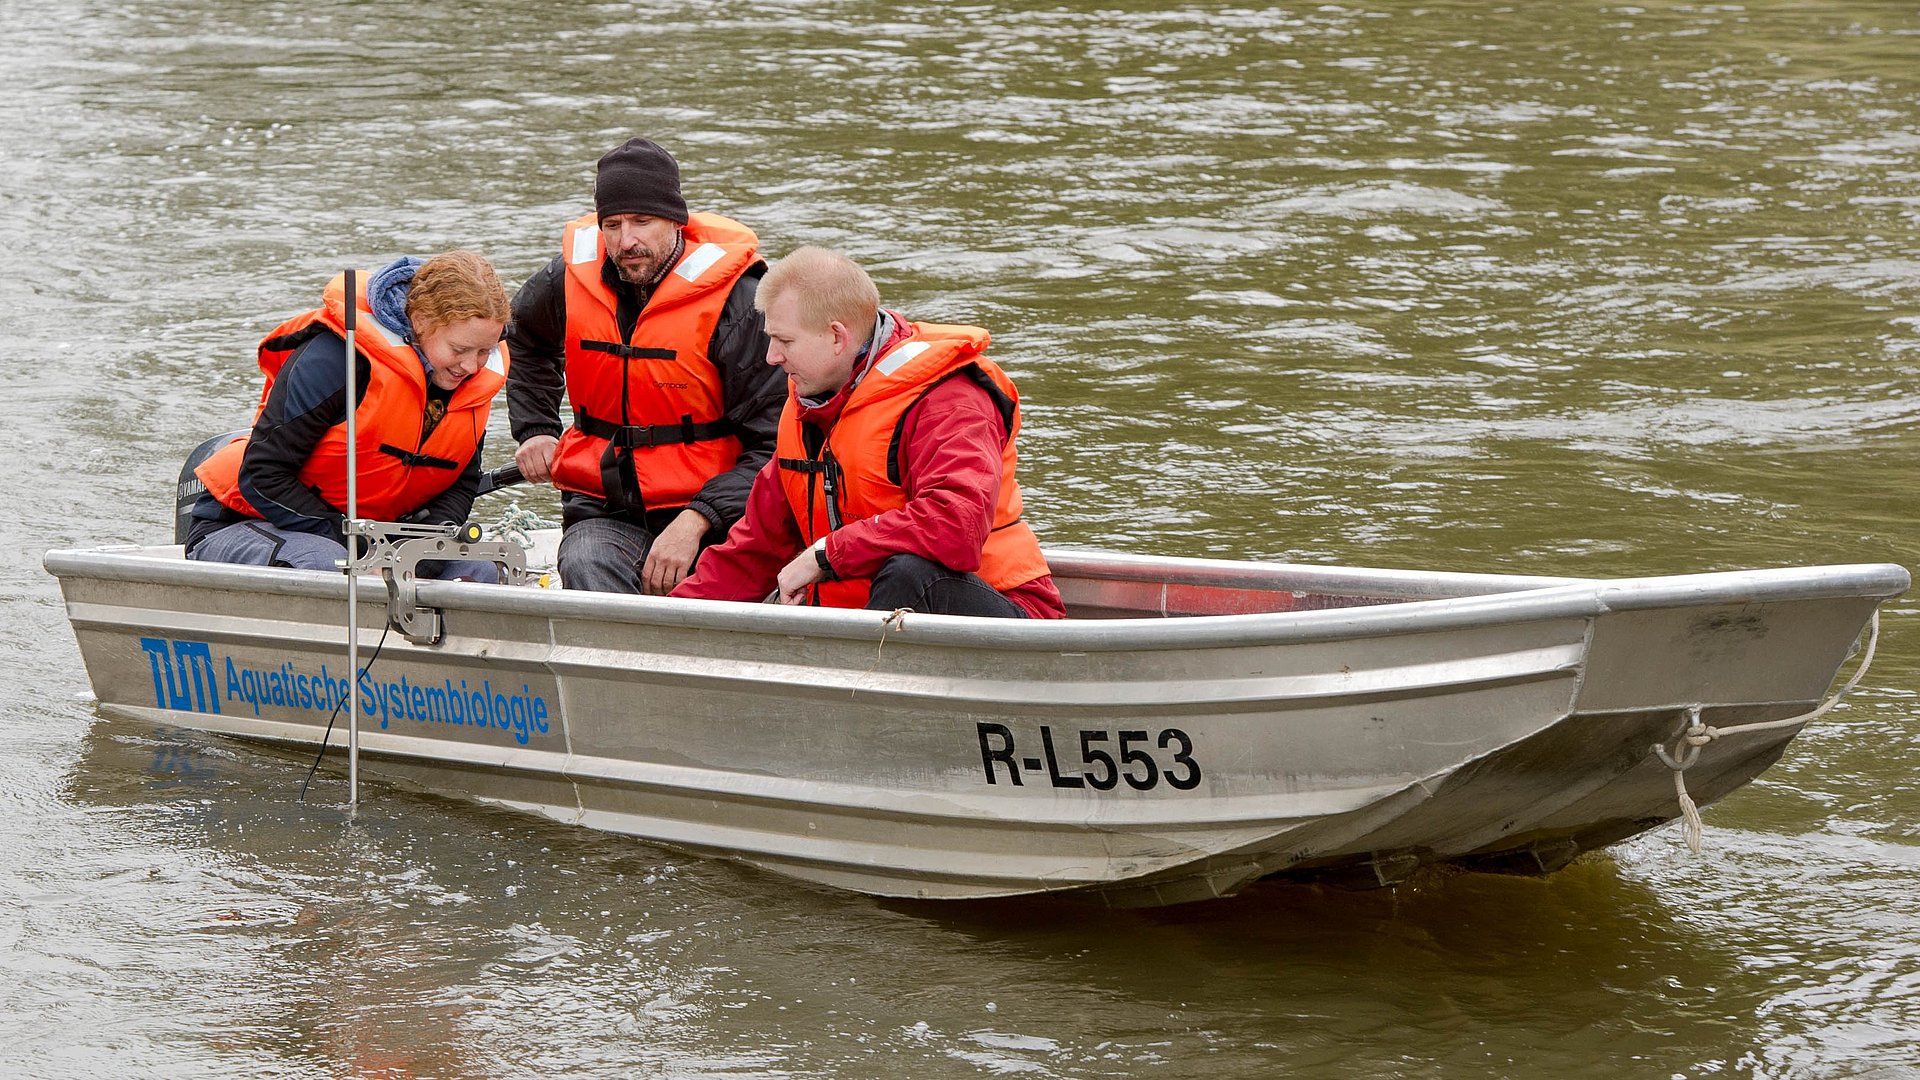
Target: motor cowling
pixel 190 488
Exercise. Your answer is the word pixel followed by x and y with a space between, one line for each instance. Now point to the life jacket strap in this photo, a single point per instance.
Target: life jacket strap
pixel 413 460
pixel 628 352
pixel 629 436
pixel 619 479
pixel 827 468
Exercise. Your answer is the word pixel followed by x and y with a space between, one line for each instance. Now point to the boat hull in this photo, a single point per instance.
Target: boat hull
pixel 1346 725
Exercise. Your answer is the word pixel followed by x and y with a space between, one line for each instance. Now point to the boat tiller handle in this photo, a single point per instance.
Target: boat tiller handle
pixel 494 479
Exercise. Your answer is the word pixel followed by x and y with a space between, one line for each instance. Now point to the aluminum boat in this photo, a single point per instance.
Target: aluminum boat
pixel 1192 727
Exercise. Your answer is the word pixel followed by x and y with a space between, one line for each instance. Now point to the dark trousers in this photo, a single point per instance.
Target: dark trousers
pixel 603 555
pixel 909 581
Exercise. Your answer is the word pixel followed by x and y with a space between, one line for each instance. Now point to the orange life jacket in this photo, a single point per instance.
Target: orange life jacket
pixel 854 472
pixel 649 416
pixel 399 473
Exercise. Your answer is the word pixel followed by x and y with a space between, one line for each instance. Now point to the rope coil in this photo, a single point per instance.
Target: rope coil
pixel 1696 735
pixel 516 522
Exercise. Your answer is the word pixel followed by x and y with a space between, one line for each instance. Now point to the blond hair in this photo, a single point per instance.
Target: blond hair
pixel 831 288
pixel 452 288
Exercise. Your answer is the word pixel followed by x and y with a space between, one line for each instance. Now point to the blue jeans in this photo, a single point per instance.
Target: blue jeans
pixel 258 543
pixel 603 555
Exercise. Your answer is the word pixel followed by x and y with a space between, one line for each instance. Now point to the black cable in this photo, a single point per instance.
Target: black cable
pixel 353 689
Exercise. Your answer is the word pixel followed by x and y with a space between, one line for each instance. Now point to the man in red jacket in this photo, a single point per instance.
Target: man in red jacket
pixel 892 484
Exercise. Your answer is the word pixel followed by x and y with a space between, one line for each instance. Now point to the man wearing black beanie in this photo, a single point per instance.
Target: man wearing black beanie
pixel 646 320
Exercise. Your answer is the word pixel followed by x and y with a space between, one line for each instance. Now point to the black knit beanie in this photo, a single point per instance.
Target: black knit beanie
pixel 638 177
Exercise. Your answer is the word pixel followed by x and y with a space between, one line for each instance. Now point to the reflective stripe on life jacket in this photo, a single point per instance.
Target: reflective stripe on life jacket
pixel 854 472
pixel 650 426
pixel 399 473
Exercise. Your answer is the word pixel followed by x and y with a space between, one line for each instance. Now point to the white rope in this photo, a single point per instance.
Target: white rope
pixel 1696 735
pixel 516 522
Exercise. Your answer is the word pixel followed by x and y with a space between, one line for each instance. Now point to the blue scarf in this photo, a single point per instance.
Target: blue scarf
pixel 387 296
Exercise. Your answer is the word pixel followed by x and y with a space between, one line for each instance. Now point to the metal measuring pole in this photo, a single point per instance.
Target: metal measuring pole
pixel 353 560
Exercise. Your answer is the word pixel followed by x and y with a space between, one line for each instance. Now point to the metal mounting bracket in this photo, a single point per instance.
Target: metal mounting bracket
pixel 395 551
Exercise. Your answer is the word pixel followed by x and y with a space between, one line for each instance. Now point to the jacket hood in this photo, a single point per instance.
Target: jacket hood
pixel 387 296
pixel 387 293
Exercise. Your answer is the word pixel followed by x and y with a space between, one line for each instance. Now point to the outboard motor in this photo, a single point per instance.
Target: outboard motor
pixel 191 488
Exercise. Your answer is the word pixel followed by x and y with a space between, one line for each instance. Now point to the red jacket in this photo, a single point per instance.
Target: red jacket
pixel 950 457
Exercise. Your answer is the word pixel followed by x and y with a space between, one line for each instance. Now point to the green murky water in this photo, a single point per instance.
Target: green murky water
pixel 1544 288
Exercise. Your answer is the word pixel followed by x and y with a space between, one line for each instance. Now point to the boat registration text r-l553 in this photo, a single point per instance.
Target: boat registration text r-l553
pixel 1142 759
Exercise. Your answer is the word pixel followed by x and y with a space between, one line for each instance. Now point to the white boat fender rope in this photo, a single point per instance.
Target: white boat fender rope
pixel 1688 744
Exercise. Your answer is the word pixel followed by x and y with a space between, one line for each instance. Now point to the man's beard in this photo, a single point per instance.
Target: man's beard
pixel 647 271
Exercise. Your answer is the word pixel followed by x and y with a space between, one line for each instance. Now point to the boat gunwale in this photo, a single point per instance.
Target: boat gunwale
pixel 1530 600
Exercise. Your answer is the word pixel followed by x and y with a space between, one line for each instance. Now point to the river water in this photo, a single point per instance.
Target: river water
pixel 1567 288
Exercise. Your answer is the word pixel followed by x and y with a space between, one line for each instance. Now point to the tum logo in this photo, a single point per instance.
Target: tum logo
pixel 183 676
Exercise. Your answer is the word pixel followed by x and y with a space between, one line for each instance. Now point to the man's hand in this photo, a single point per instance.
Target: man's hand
pixel 535 458
pixel 670 559
pixel 796 576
